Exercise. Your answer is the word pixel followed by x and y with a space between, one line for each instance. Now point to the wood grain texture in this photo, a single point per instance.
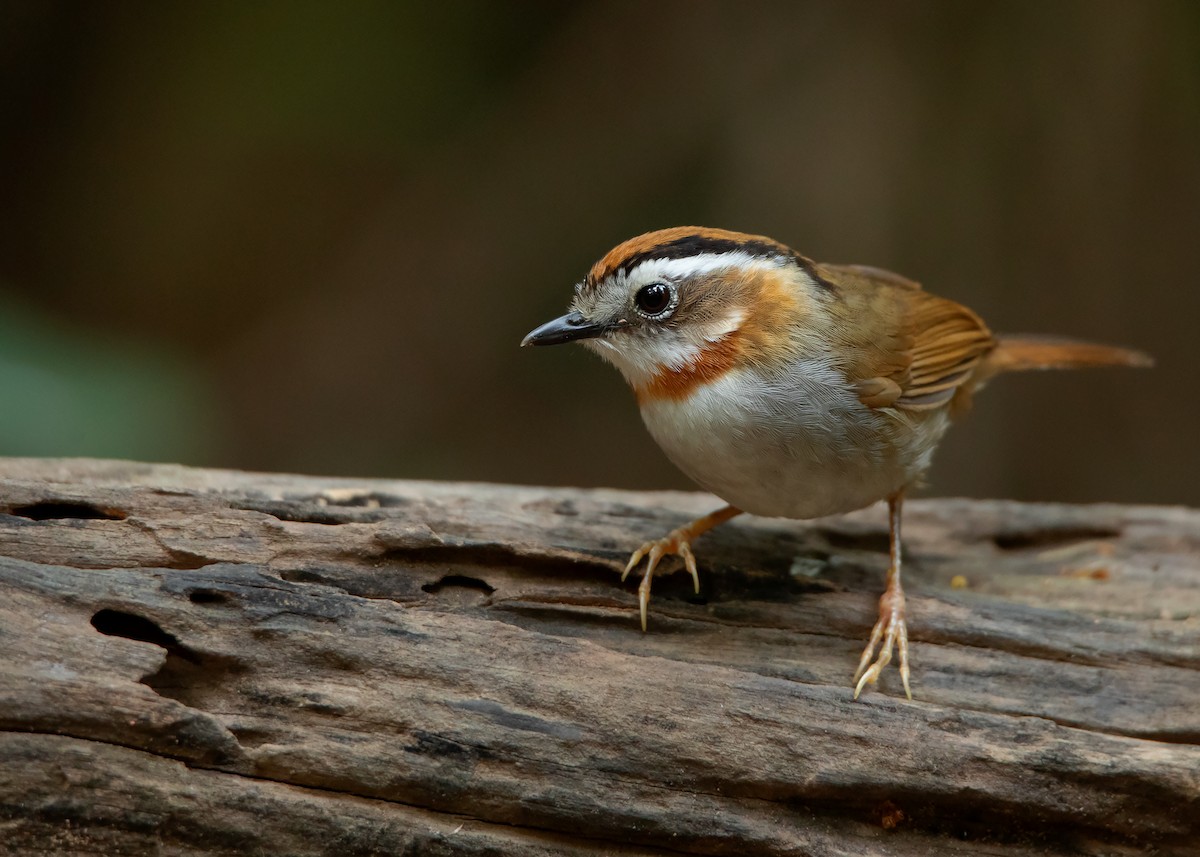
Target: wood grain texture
pixel 212 662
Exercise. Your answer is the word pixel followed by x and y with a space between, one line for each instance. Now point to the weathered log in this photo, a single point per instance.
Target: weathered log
pixel 209 662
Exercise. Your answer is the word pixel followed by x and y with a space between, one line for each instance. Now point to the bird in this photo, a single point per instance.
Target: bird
pixel 791 388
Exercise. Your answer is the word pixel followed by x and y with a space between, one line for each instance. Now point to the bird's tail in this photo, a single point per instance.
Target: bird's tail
pixel 1017 352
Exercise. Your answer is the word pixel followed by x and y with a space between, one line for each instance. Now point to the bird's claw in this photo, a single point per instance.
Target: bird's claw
pixel 893 631
pixel 675 542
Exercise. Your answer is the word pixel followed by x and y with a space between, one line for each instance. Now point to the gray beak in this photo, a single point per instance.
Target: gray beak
pixel 568 328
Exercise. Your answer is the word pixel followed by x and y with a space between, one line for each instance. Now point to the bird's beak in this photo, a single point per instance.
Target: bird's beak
pixel 570 327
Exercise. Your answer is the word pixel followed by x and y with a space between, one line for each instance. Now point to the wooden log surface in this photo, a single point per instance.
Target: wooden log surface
pixel 213 662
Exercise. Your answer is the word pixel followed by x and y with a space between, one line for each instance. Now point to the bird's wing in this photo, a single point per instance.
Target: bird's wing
pixel 904 347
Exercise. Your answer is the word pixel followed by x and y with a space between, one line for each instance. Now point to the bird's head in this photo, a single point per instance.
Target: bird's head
pixel 678 307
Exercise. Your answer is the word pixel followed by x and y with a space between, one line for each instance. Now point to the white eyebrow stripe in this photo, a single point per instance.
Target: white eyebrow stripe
pixel 701 263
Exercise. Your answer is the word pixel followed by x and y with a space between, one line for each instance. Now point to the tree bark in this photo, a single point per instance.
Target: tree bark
pixel 213 662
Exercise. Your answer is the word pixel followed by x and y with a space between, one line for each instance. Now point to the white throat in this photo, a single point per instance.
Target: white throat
pixel 643 356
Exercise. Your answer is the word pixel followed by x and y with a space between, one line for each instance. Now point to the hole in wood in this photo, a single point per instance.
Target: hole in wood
pixel 461 581
pixel 208 596
pixel 302 575
pixel 117 623
pixel 198 681
pixel 53 511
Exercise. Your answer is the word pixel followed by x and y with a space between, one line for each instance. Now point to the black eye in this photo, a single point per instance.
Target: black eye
pixel 653 299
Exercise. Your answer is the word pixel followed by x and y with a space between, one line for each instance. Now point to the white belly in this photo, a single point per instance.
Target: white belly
pixel 801 446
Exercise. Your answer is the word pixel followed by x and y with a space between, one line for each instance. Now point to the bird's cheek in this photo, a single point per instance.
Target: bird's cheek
pixel 626 357
pixel 603 347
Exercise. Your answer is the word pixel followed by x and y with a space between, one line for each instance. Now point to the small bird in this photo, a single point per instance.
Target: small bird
pixel 791 388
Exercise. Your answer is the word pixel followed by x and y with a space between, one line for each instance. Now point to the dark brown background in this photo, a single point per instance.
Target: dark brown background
pixel 309 236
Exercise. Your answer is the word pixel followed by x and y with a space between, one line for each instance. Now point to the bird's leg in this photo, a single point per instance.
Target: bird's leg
pixel 890 627
pixel 675 542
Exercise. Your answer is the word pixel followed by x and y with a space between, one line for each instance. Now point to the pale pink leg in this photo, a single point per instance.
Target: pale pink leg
pixel 890 628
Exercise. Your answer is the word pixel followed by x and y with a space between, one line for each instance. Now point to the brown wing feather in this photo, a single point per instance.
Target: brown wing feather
pixel 905 348
pixel 948 342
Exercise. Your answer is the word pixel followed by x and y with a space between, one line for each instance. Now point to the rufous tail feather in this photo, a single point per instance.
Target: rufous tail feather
pixel 1017 352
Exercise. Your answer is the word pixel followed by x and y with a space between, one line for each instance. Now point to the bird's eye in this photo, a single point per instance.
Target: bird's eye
pixel 653 300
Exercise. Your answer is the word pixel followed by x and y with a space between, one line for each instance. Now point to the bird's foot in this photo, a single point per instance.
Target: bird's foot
pixel 892 630
pixel 677 543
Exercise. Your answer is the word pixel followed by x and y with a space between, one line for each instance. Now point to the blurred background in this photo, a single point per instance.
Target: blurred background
pixel 309 236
